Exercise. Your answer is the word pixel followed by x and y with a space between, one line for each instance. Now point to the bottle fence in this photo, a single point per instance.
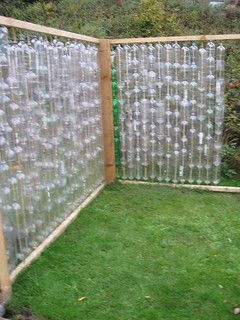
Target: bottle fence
pixel 50 136
pixel 168 111
pixel 57 128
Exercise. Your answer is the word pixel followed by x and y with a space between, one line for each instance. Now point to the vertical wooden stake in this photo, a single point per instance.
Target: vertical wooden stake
pixel 5 283
pixel 107 111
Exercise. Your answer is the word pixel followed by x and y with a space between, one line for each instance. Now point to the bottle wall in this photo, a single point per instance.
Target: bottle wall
pixel 170 107
pixel 51 154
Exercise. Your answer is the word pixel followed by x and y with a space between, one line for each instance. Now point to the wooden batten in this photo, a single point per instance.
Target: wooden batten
pixel 107 111
pixel 14 23
pixel 5 283
pixel 211 37
pixel 188 186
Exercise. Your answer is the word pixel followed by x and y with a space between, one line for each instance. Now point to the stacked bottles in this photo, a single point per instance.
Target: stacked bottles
pixel 50 136
pixel 171 111
pixel 116 121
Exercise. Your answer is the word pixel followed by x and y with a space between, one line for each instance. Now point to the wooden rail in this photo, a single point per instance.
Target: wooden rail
pixel 188 186
pixel 28 26
pixel 14 23
pixel 220 37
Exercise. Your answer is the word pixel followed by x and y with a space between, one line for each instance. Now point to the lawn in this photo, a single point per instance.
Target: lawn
pixel 141 252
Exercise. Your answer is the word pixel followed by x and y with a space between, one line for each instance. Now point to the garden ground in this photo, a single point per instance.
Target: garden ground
pixel 140 252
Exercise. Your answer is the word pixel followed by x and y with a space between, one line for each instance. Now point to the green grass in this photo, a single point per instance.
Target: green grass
pixel 141 252
pixel 234 182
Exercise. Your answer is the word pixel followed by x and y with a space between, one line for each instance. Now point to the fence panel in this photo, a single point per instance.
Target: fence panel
pixel 50 136
pixel 168 111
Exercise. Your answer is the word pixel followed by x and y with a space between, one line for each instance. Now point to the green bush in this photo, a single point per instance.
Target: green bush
pixel 231 135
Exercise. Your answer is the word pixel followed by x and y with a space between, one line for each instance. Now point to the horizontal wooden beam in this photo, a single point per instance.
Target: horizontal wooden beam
pixel 55 234
pixel 189 186
pixel 14 23
pixel 10 22
pixel 219 37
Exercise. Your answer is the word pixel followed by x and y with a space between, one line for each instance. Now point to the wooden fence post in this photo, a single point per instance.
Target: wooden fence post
pixel 5 283
pixel 107 111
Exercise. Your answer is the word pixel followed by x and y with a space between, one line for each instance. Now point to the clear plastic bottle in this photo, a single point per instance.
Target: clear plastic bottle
pixel 219 111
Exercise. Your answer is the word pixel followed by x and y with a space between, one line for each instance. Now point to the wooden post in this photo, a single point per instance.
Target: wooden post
pixel 107 111
pixel 5 283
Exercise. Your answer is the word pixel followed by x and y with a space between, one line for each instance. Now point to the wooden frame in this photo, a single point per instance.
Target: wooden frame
pixel 219 37
pixel 188 186
pixel 14 23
